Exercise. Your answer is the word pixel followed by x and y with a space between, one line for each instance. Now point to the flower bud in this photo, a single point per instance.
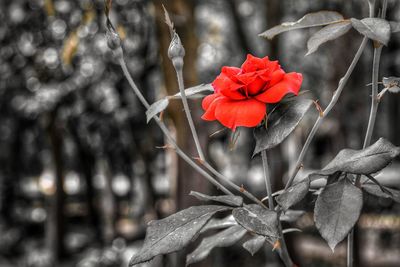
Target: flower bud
pixel 176 52
pixel 113 40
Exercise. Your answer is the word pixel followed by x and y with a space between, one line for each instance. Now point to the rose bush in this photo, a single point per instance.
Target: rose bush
pixel 241 94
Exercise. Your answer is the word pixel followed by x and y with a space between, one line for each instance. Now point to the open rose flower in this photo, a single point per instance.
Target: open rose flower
pixel 241 94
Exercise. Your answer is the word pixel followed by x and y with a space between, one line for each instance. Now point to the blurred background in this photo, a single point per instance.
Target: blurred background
pixel 80 171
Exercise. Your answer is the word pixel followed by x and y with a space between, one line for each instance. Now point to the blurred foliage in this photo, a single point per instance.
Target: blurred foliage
pixel 68 117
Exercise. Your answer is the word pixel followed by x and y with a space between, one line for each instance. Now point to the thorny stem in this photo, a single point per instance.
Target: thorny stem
pixel 367 140
pixel 188 114
pixel 233 185
pixel 282 250
pixel 374 93
pixel 371 120
pixel 318 122
pixel 164 129
pixel 182 154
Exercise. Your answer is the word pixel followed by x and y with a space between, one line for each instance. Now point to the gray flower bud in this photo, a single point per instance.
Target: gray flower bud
pixel 176 51
pixel 113 40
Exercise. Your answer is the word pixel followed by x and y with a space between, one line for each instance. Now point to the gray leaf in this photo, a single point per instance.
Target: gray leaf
pixel 366 161
pixel 225 238
pixel 258 220
pixel 281 122
pixel 320 18
pixel 196 90
pixel 163 103
pixel 215 223
pixel 337 209
pixel 374 28
pixel 291 216
pixel 376 190
pixel 328 33
pixel 174 232
pixel 156 108
pixel 254 244
pixel 394 26
pixel 293 194
pixel 235 201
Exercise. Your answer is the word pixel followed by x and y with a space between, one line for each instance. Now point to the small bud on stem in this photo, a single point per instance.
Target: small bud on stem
pixel 176 52
pixel 113 40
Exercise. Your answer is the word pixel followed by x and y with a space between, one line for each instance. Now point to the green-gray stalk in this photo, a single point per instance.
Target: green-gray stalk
pixel 164 129
pixel 233 185
pixel 282 250
pixel 267 179
pixel 335 98
pixel 371 120
pixel 188 114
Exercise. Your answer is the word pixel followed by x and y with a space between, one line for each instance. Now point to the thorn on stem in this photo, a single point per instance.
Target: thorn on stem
pixel 167 146
pixel 277 245
pixel 199 160
pixel 242 190
pixel 381 94
pixel 318 107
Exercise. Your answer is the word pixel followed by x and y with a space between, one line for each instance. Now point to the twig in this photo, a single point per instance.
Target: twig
pixel 371 120
pixel 282 250
pixel 267 179
pixel 318 122
pixel 176 52
pixel 188 114
pixel 164 129
pixel 233 185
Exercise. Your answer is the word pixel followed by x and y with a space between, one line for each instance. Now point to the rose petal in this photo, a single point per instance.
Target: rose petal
pixel 210 104
pixel 248 113
pixel 207 100
pixel 223 82
pixel 232 94
pixel 230 71
pixel 256 86
pixel 290 83
pixel 276 77
pixel 245 79
pixel 254 63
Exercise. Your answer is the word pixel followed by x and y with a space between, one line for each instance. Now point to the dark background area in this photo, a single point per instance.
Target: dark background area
pixel 80 174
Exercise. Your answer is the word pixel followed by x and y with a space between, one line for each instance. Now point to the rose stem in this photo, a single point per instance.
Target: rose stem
pixel 182 154
pixel 371 120
pixel 163 128
pixel 374 93
pixel 233 185
pixel 267 179
pixel 332 103
pixel 187 112
pixel 283 253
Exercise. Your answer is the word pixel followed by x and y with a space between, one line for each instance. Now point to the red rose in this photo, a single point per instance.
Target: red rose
pixel 241 94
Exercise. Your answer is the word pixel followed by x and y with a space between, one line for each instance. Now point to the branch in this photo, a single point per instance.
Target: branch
pixel 371 120
pixel 330 106
pixel 164 129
